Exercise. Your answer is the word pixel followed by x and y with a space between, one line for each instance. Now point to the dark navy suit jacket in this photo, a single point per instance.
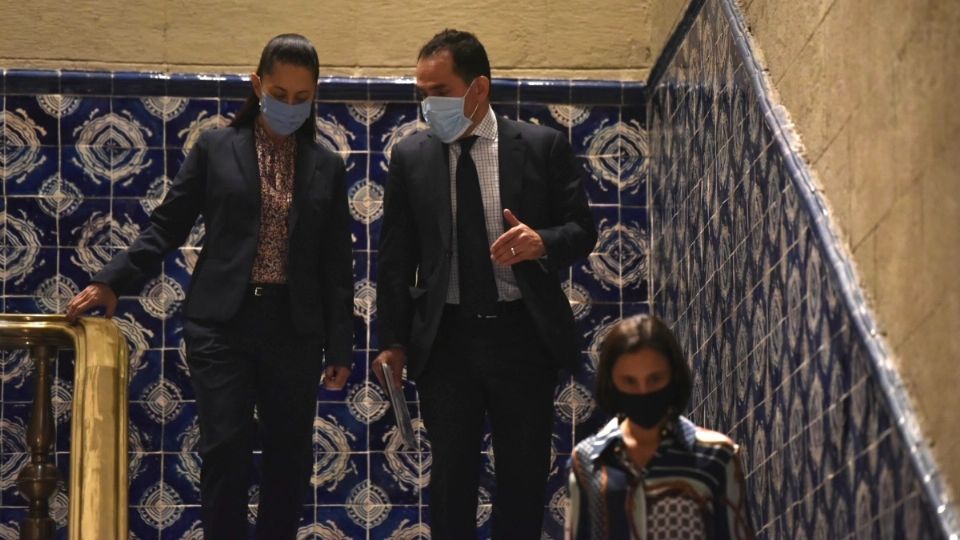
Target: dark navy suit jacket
pixel 220 179
pixel 540 182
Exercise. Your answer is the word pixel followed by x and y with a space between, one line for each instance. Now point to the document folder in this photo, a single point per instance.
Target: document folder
pixel 401 413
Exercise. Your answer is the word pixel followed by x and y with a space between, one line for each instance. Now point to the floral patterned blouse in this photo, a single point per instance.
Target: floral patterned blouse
pixel 276 160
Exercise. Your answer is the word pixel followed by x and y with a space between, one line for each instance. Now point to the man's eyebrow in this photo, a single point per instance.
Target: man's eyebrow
pixel 435 86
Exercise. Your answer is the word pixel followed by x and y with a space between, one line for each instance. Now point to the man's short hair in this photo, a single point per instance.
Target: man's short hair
pixel 469 57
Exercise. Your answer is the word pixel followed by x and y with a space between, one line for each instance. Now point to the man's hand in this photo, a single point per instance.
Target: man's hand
pixel 335 377
pixel 520 243
pixel 396 358
pixel 96 294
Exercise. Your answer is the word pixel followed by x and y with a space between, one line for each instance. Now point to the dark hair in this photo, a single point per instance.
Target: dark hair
pixel 631 335
pixel 469 57
pixel 291 49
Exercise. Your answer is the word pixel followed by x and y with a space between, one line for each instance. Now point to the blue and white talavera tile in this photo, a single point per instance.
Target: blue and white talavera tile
pixel 84 168
pixel 747 270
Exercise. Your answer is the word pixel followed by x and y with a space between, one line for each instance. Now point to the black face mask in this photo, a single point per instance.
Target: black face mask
pixel 645 410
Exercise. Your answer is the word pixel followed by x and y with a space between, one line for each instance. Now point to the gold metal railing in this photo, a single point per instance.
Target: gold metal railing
pixel 98 444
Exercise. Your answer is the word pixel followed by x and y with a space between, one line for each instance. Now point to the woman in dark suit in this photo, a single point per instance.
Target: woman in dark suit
pixel 271 296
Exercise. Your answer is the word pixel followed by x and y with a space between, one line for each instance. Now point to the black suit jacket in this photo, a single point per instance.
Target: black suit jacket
pixel 540 182
pixel 220 179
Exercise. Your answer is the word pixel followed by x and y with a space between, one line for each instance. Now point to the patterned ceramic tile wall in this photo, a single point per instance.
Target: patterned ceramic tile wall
pixel 85 158
pixel 743 262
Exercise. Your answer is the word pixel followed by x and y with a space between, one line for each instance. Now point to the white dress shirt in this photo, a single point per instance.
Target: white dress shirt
pixel 485 155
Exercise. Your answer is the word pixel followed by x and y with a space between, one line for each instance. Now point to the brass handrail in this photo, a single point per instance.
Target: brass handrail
pixel 98 445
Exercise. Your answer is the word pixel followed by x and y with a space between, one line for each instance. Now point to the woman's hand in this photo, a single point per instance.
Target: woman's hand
pixel 96 294
pixel 335 377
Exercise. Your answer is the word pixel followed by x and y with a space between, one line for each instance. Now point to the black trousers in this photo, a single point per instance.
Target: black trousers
pixel 479 367
pixel 255 359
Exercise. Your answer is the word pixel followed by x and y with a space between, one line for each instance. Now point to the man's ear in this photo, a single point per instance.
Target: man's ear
pixel 483 87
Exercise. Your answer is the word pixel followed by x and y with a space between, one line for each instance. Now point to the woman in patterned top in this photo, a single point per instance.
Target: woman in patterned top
pixel 651 473
pixel 270 303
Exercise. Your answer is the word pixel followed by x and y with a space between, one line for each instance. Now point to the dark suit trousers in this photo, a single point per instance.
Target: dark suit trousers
pixel 255 359
pixel 497 367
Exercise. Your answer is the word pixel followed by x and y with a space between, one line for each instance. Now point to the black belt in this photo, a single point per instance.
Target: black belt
pixel 267 289
pixel 502 309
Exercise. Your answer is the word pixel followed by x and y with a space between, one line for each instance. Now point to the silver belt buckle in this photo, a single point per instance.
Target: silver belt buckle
pixel 258 291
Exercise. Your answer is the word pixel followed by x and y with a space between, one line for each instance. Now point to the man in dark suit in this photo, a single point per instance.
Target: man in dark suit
pixel 480 215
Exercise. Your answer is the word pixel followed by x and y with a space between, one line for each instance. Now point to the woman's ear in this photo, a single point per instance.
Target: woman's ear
pixel 257 85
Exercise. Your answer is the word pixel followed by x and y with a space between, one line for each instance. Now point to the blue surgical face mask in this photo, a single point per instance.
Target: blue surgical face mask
pixel 283 118
pixel 445 116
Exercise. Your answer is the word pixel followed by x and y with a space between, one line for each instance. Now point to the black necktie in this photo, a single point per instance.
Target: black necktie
pixel 478 289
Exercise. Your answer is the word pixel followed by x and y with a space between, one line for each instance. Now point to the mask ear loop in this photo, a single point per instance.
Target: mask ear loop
pixel 478 102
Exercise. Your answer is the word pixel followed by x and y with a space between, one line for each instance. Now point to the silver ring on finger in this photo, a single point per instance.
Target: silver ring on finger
pixel 513 251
